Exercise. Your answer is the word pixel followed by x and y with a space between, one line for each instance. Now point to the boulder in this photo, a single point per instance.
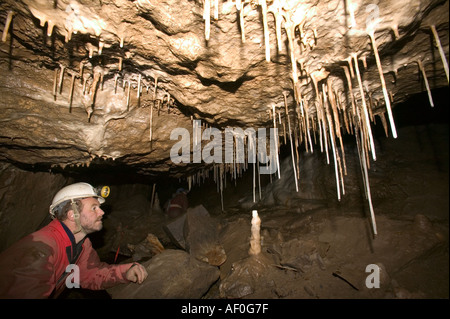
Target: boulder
pixel 201 236
pixel 172 274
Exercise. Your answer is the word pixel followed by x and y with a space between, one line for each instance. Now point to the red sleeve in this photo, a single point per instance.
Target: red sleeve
pixel 97 275
pixel 27 270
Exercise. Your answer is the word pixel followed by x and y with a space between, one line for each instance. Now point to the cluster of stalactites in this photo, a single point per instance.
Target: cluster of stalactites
pixel 329 107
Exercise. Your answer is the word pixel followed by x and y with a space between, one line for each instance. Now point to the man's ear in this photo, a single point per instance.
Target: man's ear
pixel 70 214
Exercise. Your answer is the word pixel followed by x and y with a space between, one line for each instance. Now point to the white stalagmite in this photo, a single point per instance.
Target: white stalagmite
pixel 255 239
pixel 425 79
pixel 383 84
pixel 7 24
pixel 441 50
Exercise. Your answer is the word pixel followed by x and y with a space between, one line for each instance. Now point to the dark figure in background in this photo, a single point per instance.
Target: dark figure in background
pixel 178 204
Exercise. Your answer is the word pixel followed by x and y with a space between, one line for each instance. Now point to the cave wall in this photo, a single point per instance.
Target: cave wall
pixel 25 197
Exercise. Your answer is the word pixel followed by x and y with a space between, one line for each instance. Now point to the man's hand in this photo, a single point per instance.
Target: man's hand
pixel 136 273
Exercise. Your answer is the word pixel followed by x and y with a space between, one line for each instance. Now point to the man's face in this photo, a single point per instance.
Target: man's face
pixel 91 215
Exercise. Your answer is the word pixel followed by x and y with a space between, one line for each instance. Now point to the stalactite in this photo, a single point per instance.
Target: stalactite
pixel 155 88
pixel 330 131
pixel 275 9
pixel 207 18
pixel 50 26
pixel 263 5
pixel 85 78
pixel 240 8
pixel 72 84
pixel 290 139
pixel 290 32
pixel 7 25
pixel 394 28
pixel 350 88
pixel 216 9
pixel 384 123
pixel 81 71
pixel 116 77
pixel 383 84
pixel 366 114
pixel 441 50
pixel 152 105
pixel 128 96
pixel 351 12
pixel 94 87
pixel 101 44
pixel 425 79
pixel 61 78
pixel 276 141
pixel 362 155
pixel 55 84
pixel 120 63
pixel 139 90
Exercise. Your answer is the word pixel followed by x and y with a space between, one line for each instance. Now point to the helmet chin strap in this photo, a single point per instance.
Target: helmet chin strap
pixel 76 216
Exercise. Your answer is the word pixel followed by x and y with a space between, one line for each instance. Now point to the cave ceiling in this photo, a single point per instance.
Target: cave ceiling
pixel 106 81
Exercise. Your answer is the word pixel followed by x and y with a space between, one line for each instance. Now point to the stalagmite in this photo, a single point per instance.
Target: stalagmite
pixel 255 239
pixel 366 114
pixel 7 24
pixel 441 50
pixel 383 84
pixel 290 139
pixel 425 79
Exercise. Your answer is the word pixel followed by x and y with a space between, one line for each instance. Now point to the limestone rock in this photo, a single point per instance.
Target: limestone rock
pixel 172 274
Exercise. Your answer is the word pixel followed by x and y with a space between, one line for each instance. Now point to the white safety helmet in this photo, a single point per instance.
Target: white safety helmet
pixel 77 191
